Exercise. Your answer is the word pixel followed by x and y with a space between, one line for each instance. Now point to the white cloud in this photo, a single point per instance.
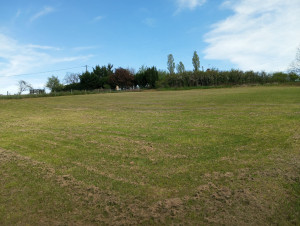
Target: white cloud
pixel 188 4
pixel 46 10
pixel 260 35
pixel 17 59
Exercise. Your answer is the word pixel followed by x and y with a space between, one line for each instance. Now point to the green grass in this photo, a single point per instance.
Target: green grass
pixel 207 156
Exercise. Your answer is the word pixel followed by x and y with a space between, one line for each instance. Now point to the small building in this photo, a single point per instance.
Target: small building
pixel 37 91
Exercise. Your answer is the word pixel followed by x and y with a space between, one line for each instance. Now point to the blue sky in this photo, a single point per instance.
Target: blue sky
pixel 47 35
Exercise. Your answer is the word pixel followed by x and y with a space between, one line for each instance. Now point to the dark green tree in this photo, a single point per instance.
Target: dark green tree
pixel 293 76
pixel 280 77
pixel 89 81
pixel 151 75
pixel 146 77
pixel 102 73
pixel 140 79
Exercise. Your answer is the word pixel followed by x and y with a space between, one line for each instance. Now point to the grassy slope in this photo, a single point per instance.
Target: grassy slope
pixel 210 156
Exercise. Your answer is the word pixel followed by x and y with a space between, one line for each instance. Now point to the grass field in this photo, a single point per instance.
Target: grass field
pixel 216 156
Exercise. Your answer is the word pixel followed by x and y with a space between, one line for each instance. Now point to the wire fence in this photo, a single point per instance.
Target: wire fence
pixel 67 93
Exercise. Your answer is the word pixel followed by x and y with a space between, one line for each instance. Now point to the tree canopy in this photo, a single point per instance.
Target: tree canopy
pixel 122 78
pixel 54 84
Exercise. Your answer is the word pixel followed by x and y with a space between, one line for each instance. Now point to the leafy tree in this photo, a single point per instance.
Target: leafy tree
pixel 142 69
pixel 293 76
pixel 146 77
pixel 280 77
pixel 171 64
pixel 196 62
pixel 162 74
pixel 180 68
pixel 109 69
pixel 122 78
pixel 139 77
pixel 151 75
pixel 89 81
pixel 102 73
pixel 73 86
pixel 23 86
pixel 54 84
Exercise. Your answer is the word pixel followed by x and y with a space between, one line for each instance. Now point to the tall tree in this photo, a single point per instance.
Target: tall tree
pixel 196 62
pixel 180 68
pixel 171 64
pixel 23 86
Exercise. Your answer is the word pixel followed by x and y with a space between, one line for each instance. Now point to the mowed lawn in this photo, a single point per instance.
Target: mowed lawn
pixel 214 156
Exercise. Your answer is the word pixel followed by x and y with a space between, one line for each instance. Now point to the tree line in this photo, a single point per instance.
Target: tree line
pixel 106 77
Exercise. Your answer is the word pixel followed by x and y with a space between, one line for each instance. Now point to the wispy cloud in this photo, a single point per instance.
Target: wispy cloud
pixel 83 48
pixel 71 59
pixel 16 16
pixel 46 10
pixel 98 18
pixel 260 35
pixel 31 46
pixel 16 58
pixel 188 4
pixel 150 22
pixel 18 13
